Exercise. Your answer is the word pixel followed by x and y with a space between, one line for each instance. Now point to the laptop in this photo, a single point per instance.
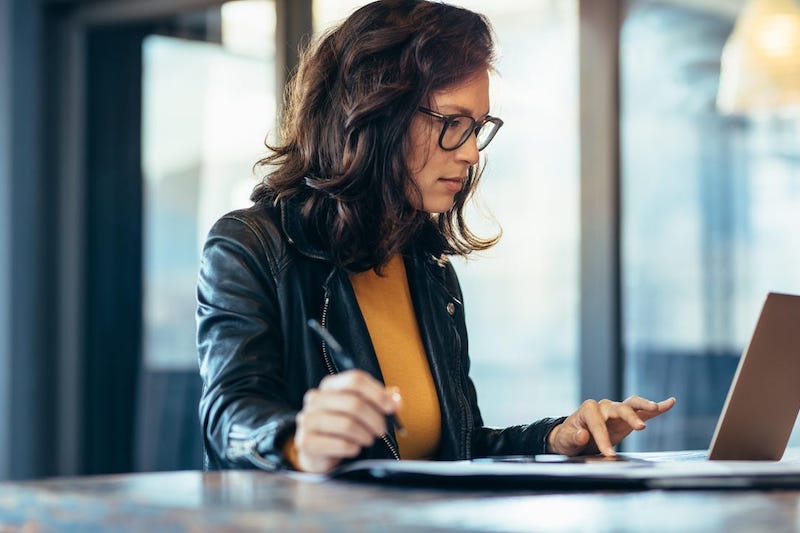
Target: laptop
pixel 764 397
pixel 749 440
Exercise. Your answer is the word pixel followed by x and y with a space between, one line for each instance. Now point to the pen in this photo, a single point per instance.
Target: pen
pixel 345 362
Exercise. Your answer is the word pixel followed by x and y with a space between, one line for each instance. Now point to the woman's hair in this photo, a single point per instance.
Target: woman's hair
pixel 345 146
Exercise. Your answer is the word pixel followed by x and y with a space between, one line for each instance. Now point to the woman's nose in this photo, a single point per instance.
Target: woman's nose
pixel 468 151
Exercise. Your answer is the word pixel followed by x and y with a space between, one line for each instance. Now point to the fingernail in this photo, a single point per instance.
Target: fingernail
pixel 394 392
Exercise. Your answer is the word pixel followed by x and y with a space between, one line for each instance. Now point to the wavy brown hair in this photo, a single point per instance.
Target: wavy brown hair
pixel 344 149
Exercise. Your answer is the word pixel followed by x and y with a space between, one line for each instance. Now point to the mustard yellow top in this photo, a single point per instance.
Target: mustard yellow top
pixel 386 305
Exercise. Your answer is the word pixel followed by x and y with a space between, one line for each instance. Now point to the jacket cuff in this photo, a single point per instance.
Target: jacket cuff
pixel 262 447
pixel 552 422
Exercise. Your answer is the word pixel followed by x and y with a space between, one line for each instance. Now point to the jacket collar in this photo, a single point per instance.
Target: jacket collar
pixel 430 245
pixel 293 229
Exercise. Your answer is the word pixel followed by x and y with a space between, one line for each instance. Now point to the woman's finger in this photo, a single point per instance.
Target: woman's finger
pixel 641 404
pixel 364 385
pixel 332 425
pixel 320 453
pixel 661 408
pixel 348 409
pixel 594 420
pixel 625 413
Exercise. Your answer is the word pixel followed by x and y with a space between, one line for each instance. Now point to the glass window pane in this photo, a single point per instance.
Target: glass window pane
pixel 522 295
pixel 206 109
pixel 709 219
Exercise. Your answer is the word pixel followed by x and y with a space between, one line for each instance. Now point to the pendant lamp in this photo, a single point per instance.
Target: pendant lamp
pixel 760 70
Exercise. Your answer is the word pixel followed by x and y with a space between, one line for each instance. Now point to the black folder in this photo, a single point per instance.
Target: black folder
pixel 637 474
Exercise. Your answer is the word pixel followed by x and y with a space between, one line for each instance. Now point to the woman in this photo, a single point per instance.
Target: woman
pixel 363 204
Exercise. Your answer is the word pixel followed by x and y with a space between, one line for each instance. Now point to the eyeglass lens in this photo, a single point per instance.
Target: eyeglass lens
pixel 458 129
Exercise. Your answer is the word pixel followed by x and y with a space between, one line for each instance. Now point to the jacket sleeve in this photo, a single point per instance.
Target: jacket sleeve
pixel 244 412
pixel 486 441
pixel 527 439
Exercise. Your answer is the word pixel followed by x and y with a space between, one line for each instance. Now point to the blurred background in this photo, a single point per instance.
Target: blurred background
pixel 647 182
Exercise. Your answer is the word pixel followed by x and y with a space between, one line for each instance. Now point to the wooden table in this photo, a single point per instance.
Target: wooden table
pixel 259 501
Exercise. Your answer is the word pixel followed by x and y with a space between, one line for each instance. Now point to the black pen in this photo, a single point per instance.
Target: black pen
pixel 345 362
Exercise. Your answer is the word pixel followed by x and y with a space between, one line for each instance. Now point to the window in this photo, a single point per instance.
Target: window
pixel 206 107
pixel 709 219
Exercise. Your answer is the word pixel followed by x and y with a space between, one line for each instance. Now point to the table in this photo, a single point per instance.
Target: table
pixel 261 501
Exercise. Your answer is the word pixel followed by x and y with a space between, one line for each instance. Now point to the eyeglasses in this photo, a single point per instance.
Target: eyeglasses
pixel 456 129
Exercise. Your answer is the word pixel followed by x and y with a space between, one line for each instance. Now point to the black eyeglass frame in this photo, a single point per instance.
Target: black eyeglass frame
pixel 448 120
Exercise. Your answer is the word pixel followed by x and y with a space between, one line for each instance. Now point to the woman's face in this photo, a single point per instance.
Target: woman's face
pixel 440 174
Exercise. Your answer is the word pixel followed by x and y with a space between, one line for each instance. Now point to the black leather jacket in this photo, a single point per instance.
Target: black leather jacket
pixel 260 281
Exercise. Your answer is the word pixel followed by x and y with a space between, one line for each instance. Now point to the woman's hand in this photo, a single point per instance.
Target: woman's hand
pixel 345 414
pixel 597 426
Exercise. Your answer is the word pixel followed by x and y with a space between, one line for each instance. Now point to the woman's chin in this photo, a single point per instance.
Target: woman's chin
pixel 438 206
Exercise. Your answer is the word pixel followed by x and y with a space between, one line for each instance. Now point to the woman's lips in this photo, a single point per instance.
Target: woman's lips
pixel 453 184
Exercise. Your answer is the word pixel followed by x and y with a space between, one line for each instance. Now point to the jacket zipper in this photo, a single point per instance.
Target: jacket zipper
pixel 328 361
pixel 333 370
